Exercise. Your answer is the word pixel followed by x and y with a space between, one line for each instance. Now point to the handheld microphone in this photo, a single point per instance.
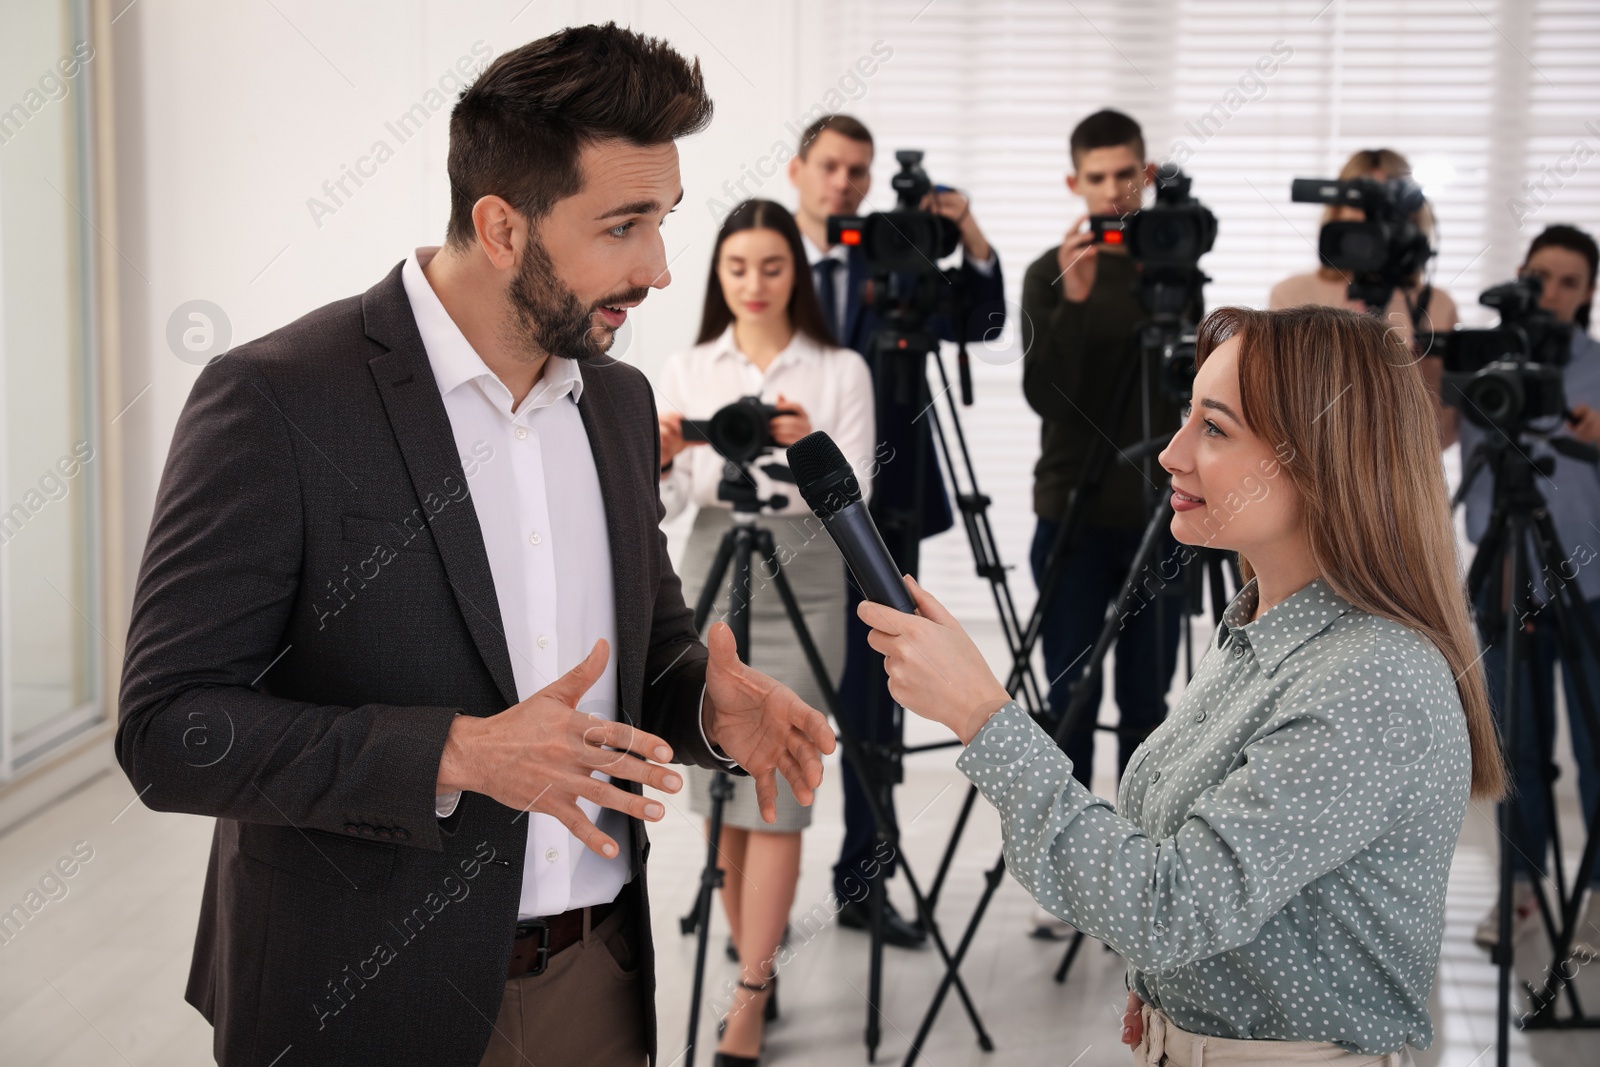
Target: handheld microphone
pixel 830 489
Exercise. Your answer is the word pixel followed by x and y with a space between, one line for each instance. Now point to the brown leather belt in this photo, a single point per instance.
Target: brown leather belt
pixel 539 939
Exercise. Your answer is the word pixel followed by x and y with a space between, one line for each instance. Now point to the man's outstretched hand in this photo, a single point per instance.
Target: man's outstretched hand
pixel 763 726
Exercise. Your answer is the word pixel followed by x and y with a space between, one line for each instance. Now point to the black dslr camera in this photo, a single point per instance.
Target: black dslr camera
pixel 907 238
pixel 1173 232
pixel 1384 250
pixel 740 431
pixel 1507 377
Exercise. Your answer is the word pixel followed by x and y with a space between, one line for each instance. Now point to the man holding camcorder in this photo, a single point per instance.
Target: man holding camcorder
pixel 1081 315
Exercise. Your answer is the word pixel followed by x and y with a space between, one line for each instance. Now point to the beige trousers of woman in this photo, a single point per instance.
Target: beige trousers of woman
pixel 1165 1043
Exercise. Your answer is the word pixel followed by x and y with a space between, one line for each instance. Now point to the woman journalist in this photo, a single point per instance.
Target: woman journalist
pixel 1274 869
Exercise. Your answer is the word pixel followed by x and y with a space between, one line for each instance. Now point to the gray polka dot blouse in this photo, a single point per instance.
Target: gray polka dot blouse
pixel 1275 866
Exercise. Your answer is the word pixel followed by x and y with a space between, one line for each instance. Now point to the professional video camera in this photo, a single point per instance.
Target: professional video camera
pixel 740 431
pixel 1384 250
pixel 1174 232
pixel 1167 240
pixel 907 238
pixel 1507 377
pixel 903 248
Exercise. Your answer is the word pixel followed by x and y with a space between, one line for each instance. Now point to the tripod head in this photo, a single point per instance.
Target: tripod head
pixel 738 487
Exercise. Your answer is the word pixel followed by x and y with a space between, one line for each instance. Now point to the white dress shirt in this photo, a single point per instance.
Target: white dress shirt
pixel 543 518
pixel 832 384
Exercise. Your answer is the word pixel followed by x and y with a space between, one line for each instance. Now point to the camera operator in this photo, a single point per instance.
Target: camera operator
pixel 1081 315
pixel 1564 259
pixel 1415 308
pixel 762 334
pixel 831 172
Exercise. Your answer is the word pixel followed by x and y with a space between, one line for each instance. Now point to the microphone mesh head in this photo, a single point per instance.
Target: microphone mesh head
pixel 822 474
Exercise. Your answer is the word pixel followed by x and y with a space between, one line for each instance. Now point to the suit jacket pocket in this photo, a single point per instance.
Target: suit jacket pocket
pixel 396 534
pixel 320 856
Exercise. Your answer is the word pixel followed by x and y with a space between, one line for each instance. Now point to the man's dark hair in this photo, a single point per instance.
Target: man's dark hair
pixel 848 125
pixel 1105 129
pixel 1572 239
pixel 517 131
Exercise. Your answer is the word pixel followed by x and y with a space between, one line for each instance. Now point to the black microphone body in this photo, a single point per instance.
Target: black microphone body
pixel 859 541
pixel 828 485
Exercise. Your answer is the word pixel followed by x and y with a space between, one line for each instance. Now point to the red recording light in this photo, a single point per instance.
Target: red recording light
pixel 1113 237
pixel 849 237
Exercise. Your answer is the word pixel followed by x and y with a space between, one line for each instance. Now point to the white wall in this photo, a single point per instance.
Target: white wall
pixel 232 116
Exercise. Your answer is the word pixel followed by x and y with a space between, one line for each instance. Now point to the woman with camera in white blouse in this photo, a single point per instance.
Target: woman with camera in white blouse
pixel 762 334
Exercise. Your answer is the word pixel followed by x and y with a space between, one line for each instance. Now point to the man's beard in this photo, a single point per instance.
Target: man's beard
pixel 548 317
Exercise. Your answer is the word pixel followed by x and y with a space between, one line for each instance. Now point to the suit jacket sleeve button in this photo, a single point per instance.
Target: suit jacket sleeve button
pixel 351 828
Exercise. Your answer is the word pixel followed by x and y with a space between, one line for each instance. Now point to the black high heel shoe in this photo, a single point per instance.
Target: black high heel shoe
pixel 769 1013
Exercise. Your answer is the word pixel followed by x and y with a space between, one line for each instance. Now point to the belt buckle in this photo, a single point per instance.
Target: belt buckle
pixel 529 927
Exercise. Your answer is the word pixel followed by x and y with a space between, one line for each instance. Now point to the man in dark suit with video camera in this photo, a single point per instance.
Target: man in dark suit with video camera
pixel 831 171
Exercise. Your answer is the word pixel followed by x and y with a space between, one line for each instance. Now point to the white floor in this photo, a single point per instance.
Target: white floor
pixel 97 976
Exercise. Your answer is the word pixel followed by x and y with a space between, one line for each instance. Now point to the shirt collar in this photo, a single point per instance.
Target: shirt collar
pixel 800 347
pixel 1276 635
pixel 839 253
pixel 452 357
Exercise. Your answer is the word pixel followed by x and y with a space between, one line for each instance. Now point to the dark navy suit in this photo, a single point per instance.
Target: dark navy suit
pixel 864 690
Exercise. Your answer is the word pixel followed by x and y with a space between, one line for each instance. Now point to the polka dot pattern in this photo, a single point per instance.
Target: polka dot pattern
pixel 1276 862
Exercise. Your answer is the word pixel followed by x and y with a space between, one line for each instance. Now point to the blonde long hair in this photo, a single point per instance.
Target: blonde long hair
pixel 1347 409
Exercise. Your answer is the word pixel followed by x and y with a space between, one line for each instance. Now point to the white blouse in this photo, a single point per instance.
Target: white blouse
pixel 834 385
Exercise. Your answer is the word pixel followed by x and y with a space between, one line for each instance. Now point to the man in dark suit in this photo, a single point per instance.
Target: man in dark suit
pixel 406 625
pixel 831 171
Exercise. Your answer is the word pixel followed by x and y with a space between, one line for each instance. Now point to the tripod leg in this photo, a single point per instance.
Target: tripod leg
pixel 736 545
pixel 1574 627
pixel 950 851
pixel 991 882
pixel 702 611
pixel 710 881
pixel 714 579
pixel 1066 961
pixel 888 832
pixel 1504 951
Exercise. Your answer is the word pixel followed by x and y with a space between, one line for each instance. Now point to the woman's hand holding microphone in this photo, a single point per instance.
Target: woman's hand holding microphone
pixel 934 668
pixel 936 671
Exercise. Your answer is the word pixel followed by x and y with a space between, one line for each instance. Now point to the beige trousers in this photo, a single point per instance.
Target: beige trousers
pixel 1165 1043
pixel 586 1008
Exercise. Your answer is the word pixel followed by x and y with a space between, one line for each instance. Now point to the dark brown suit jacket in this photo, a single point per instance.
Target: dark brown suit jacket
pixel 314 607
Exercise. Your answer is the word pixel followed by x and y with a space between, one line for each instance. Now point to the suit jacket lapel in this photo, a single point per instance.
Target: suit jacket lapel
pixel 630 512
pixel 416 412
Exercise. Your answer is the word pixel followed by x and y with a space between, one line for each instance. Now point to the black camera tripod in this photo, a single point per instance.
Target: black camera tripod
pixel 1501 580
pixel 744 541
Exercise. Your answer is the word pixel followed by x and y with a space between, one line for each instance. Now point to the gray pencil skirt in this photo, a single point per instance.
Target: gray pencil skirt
pixel 816 573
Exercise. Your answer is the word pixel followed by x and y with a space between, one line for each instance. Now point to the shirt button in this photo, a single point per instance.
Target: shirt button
pixel 551 854
pixel 1200 717
pixel 535 538
pixel 1155 777
pixel 543 642
pixel 522 433
pixel 1238 650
